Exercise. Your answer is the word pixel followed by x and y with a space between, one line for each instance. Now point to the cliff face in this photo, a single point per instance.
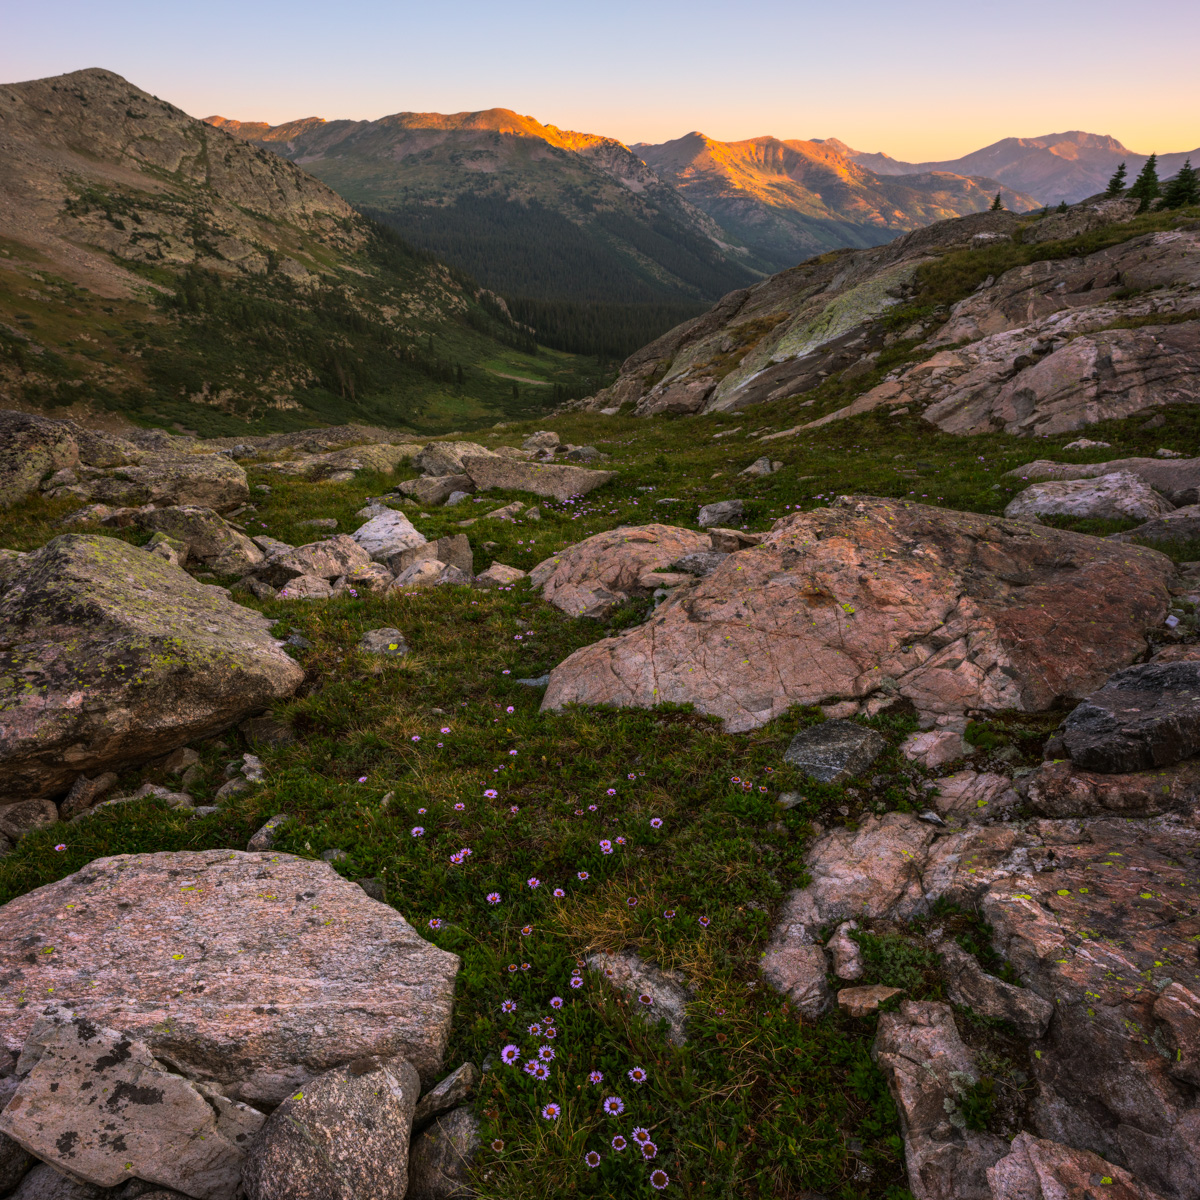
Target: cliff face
pixel 787 200
pixel 1057 322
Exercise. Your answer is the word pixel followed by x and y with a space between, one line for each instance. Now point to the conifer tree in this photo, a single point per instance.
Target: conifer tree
pixel 1116 185
pixel 1062 206
pixel 996 205
pixel 1145 186
pixel 1184 188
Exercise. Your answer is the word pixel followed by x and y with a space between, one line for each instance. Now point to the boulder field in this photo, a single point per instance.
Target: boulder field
pixel 870 598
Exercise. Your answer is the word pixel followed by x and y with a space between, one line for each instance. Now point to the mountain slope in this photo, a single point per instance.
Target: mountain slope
pixel 1058 166
pixel 538 213
pixel 153 266
pixel 788 200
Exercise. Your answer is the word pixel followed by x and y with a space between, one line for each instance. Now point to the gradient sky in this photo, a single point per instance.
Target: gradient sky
pixel 921 81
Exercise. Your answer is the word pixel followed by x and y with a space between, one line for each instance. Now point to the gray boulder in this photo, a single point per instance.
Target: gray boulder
pixel 114 656
pixel 343 1136
pixel 97 1103
pixel 387 535
pixel 1182 525
pixel 31 447
pixel 439 1161
pixel 834 751
pixel 16 820
pixel 207 536
pixel 387 641
pixel 720 512
pixel 1144 716
pixel 328 559
pixel 446 458
pixel 45 1183
pixel 655 993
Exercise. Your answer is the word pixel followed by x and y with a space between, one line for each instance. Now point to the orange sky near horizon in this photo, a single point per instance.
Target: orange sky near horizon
pixel 928 81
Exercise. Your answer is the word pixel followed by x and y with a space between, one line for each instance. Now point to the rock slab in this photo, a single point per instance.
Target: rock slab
pixel 954 611
pixel 255 971
pixel 439 1165
pixel 98 1105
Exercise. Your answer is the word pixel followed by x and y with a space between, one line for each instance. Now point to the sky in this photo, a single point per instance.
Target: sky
pixel 923 81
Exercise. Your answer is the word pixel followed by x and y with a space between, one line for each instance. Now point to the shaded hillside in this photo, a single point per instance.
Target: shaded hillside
pixel 542 215
pixel 1055 167
pixel 156 268
pixel 788 200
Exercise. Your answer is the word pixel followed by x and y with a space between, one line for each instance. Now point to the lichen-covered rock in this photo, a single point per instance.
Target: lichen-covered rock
pixel 207 536
pixel 439 1163
pixel 1111 497
pixel 205 480
pixel 1064 789
pixel 342 1136
pixel 929 1071
pixel 863 1001
pixel 975 796
pixel 611 565
pixel 112 656
pixel 1178 480
pixel 94 1102
pixel 255 971
pixel 499 575
pixel 31 447
pixel 967 983
pixel 542 479
pixel 954 610
pixel 1037 1169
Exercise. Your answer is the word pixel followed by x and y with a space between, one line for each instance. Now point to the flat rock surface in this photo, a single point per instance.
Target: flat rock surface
pixel 1182 525
pixel 110 656
pixel 1064 789
pixel 209 480
pixel 956 610
pixel 257 971
pixel 1178 479
pixel 342 1136
pixel 97 1104
pixel 1037 1169
pixel 1144 716
pixel 542 479
pixel 612 562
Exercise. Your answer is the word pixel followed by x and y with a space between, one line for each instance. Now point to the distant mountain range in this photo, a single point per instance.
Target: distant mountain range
pixel 598 245
pixel 787 201
pixel 1060 166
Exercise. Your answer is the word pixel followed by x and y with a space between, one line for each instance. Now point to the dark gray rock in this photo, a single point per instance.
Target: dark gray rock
pixel 967 983
pixel 15 1162
pixel 343 1136
pixel 16 820
pixel 45 1183
pixel 456 552
pixel 440 1159
pixel 1144 716
pixel 458 1086
pixel 1182 525
pixel 834 751
pixel 701 564
pixel 721 513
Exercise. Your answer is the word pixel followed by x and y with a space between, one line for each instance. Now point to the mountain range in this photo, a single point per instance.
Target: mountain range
pixel 598 245
pixel 154 266
pixel 1057 167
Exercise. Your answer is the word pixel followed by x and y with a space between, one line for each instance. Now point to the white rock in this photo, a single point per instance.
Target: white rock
pixel 387 535
pixel 1114 496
